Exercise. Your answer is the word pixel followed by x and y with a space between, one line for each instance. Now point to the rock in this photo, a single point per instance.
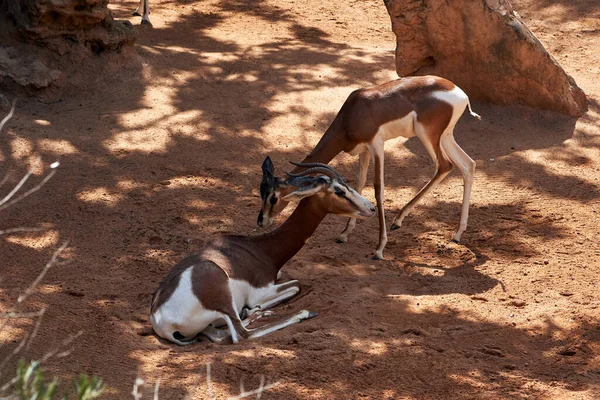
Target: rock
pixel 47 39
pixel 485 48
pixel 26 70
pixel 518 303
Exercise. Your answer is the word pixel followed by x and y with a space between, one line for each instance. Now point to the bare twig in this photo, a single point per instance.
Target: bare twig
pixel 16 188
pixel 27 339
pixel 64 343
pixel 156 386
pixel 5 203
pixel 15 315
pixel 137 394
pixel 15 351
pixel 258 392
pixel 36 328
pixel 46 357
pixel 17 230
pixel 211 394
pixel 33 285
pixel 3 181
pixel 10 114
pixel 41 275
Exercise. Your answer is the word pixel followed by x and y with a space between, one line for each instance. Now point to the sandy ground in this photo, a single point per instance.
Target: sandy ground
pixel 155 162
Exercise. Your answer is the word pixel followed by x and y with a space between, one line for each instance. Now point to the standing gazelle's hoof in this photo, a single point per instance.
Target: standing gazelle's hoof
pixel 378 255
pixel 147 22
pixel 341 239
pixel 394 227
pixel 136 14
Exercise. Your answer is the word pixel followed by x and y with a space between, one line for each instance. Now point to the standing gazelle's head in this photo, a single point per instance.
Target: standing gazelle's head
pixel 334 194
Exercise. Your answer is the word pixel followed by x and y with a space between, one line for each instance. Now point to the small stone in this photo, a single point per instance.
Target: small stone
pixel 518 303
pixel 567 352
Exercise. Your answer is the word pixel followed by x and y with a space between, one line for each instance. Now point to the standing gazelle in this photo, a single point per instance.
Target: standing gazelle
pixel 424 106
pixel 232 274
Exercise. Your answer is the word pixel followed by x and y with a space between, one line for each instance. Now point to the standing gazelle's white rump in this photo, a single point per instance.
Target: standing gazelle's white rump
pixel 424 106
pixel 232 280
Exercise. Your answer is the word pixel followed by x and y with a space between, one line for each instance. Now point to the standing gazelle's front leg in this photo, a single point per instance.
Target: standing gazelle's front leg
pixel 143 11
pixel 361 177
pixel 379 188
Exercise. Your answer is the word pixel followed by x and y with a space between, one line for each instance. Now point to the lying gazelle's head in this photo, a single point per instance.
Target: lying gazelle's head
pixel 319 179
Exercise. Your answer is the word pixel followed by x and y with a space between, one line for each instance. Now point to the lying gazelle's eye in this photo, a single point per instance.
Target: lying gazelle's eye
pixel 273 200
pixel 340 193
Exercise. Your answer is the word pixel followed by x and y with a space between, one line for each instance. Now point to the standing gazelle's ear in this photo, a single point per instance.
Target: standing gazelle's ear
pixel 307 186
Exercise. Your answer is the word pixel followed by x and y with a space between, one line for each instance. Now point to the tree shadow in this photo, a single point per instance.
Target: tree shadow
pixel 140 186
pixel 400 354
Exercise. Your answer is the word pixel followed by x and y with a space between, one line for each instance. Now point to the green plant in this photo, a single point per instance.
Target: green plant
pixel 30 384
pixel 88 388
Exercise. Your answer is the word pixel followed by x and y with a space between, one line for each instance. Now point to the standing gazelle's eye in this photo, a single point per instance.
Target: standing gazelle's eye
pixel 273 200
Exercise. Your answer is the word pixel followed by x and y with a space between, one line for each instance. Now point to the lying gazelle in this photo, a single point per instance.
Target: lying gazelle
pixel 235 274
pixel 424 106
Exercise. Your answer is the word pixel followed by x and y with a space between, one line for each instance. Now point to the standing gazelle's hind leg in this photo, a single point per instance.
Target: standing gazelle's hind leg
pixel 146 13
pixel 361 178
pixel 443 167
pixel 139 9
pixel 379 193
pixel 467 168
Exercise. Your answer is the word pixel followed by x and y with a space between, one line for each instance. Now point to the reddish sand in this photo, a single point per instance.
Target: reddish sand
pixel 155 162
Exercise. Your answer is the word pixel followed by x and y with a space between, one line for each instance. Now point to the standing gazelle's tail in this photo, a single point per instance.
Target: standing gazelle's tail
pixel 471 111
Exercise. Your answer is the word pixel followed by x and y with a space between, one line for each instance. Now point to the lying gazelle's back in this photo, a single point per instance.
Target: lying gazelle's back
pixel 236 273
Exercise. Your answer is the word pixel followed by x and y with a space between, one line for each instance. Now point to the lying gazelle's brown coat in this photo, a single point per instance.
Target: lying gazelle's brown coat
pixel 233 273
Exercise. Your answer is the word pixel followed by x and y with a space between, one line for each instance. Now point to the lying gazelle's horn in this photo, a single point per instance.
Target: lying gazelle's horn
pixel 314 167
pixel 326 171
pixel 314 164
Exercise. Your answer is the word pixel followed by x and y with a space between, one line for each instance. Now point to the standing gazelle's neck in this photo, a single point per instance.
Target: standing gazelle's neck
pixel 284 242
pixel 331 144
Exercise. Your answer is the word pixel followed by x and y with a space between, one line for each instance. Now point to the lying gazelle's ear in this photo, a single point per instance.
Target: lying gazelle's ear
pixel 268 170
pixel 307 186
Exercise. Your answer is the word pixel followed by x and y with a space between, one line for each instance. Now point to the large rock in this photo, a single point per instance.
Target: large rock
pixel 42 40
pixel 485 48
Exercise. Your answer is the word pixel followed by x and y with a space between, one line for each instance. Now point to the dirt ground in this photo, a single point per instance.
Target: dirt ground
pixel 155 161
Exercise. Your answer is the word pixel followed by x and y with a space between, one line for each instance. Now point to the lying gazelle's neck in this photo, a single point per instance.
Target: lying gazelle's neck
pixel 284 242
